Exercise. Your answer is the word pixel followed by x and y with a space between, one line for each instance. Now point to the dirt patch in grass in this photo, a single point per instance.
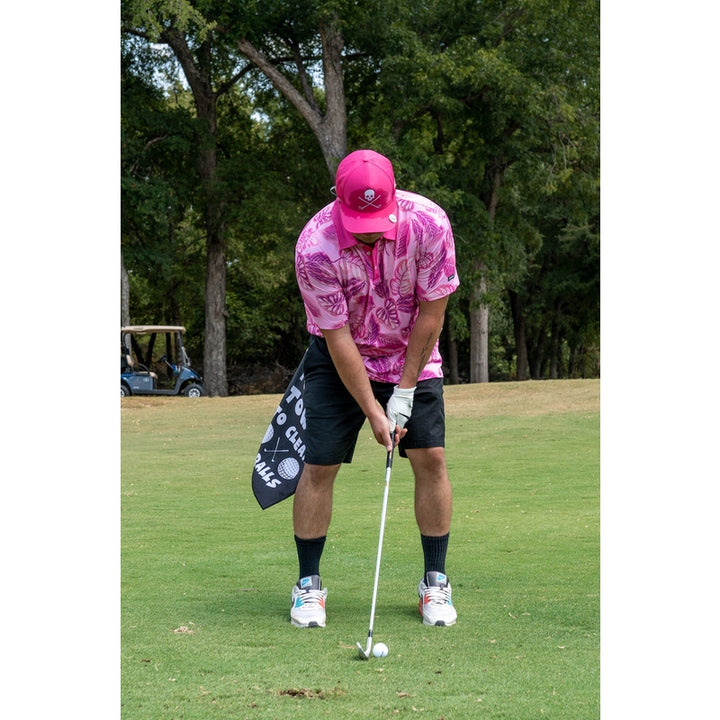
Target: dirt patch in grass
pixel 312 693
pixel 302 692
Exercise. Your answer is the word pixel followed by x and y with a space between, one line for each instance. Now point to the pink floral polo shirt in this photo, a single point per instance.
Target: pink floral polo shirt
pixel 376 289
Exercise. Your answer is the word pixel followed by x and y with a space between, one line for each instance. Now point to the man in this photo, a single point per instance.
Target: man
pixel 375 268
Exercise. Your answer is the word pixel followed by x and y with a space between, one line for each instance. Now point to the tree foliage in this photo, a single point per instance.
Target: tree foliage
pixel 491 109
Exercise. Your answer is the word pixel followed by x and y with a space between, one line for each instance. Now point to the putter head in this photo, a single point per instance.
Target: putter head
pixel 364 654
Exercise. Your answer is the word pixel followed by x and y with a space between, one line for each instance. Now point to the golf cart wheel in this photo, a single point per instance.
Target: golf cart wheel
pixel 124 390
pixel 193 390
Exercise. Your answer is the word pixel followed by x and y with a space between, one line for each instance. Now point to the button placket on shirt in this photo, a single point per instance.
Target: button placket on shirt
pixel 372 257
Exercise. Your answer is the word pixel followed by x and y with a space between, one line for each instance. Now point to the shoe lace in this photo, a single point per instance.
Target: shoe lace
pixel 437 595
pixel 311 596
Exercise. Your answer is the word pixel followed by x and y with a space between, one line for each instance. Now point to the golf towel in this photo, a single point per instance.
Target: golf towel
pixel 281 457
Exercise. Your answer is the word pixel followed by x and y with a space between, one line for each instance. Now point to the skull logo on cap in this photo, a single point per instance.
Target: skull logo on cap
pixel 369 197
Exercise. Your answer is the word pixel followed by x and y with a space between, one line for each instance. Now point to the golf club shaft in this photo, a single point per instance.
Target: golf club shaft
pixel 388 469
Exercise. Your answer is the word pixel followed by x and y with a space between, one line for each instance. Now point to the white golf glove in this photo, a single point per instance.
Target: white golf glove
pixel 399 407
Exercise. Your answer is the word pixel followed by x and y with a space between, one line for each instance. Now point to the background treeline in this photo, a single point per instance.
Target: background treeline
pixel 235 115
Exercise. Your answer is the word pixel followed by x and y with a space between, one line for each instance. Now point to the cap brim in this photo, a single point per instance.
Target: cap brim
pixel 361 223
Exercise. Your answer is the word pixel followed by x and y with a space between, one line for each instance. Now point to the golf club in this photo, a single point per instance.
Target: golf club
pixel 365 654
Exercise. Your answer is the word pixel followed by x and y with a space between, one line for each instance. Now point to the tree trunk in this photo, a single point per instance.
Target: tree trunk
pixel 479 311
pixel 330 129
pixel 479 320
pixel 520 338
pixel 555 358
pixel 205 99
pixel 451 356
pixel 214 361
pixel 124 294
pixel 334 145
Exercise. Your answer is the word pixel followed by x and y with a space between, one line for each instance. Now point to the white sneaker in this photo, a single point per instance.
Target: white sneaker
pixel 308 602
pixel 435 604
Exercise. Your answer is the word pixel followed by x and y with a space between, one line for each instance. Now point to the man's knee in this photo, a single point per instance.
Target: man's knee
pixel 429 463
pixel 319 475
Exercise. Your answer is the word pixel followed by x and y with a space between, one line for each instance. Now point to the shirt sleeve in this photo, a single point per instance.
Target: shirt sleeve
pixel 325 302
pixel 437 272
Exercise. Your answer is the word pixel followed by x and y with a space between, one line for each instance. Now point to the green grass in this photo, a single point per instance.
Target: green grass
pixel 206 574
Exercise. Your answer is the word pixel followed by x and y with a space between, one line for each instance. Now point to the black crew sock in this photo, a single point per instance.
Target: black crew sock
pixel 434 550
pixel 309 553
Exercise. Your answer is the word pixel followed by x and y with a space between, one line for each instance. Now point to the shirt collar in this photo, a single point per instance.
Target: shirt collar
pixel 346 239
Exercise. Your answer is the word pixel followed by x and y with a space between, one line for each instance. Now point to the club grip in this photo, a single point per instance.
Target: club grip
pixel 389 461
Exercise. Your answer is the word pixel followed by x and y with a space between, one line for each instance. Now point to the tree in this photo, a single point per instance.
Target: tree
pixel 201 36
pixel 329 126
pixel 210 73
pixel 479 89
pixel 490 109
pixel 158 186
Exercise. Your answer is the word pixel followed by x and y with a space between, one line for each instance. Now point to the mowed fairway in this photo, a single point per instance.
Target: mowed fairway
pixel 206 574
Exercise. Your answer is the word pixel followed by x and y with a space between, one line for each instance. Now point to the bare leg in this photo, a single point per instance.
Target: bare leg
pixel 312 504
pixel 433 511
pixel 433 493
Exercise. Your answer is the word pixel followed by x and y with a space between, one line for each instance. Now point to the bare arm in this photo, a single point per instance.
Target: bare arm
pixel 351 370
pixel 350 367
pixel 424 335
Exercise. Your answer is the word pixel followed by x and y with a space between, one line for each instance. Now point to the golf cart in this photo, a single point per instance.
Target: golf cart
pixel 153 361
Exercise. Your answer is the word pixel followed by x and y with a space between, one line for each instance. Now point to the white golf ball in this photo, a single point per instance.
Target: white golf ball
pixel 380 650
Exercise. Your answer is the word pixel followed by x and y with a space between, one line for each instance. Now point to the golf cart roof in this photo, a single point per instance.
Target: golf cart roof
pixel 148 329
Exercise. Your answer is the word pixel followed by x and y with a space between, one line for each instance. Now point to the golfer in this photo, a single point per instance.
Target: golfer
pixel 375 268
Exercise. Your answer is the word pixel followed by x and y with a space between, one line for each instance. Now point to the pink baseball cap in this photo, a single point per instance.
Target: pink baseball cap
pixel 365 188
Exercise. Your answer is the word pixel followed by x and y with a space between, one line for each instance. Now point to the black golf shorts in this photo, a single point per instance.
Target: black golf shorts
pixel 334 418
